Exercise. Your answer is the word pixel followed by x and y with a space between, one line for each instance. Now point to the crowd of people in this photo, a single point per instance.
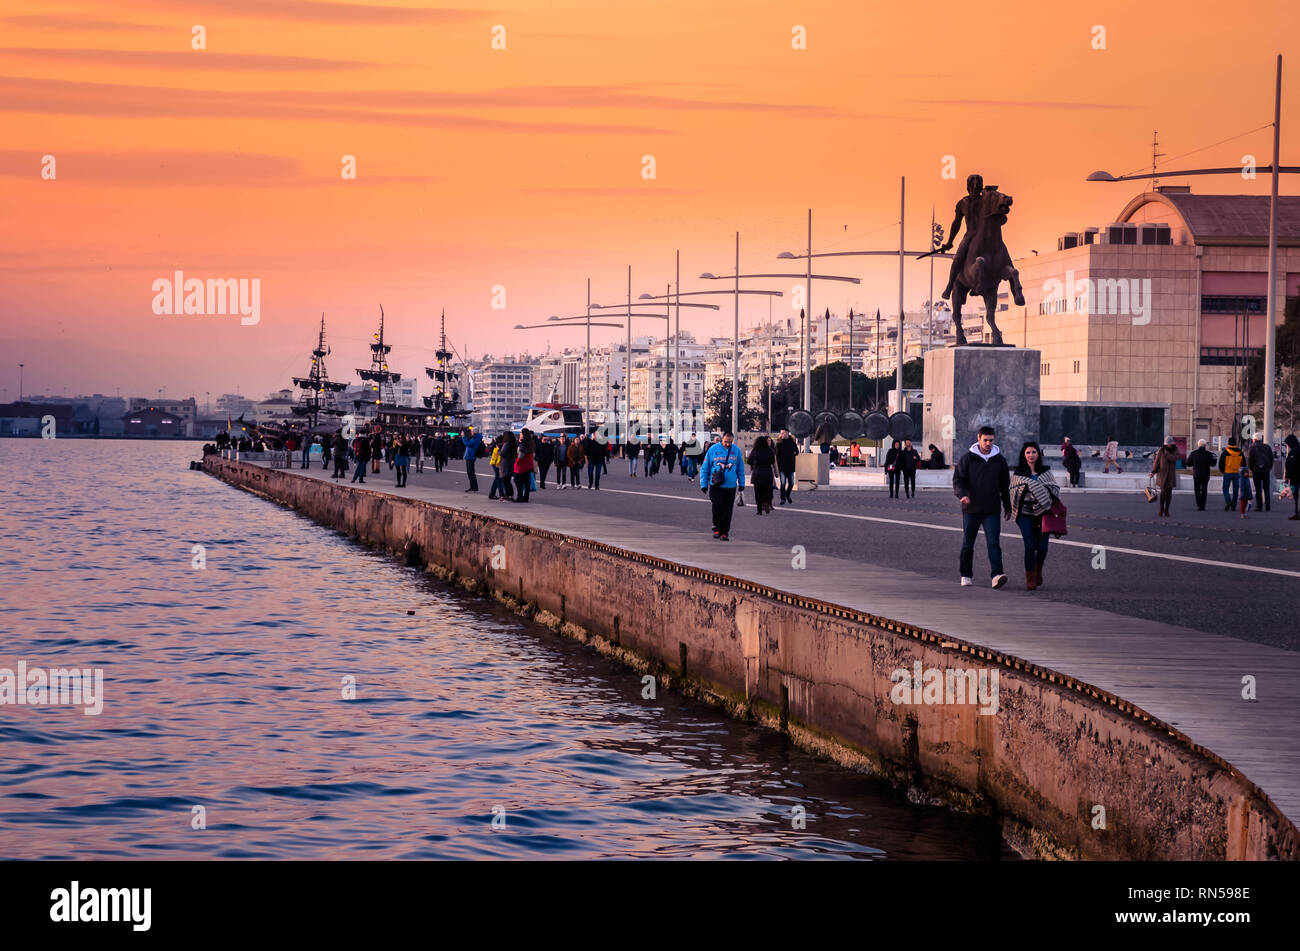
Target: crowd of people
pixel 987 484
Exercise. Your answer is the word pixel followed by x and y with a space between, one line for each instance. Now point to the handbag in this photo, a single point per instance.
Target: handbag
pixel 718 476
pixel 1054 521
pixel 1149 491
pixel 532 481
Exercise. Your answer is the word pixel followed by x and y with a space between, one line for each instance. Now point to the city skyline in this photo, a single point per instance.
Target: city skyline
pixel 486 174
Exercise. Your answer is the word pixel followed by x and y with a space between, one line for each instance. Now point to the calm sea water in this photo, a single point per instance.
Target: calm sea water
pixel 224 690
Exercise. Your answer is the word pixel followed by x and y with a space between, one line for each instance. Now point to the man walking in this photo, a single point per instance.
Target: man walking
pixel 1230 463
pixel 908 460
pixel 982 480
pixel 363 458
pixel 1260 460
pixel 787 450
pixel 721 476
pixel 595 453
pixel 1200 460
pixel 472 443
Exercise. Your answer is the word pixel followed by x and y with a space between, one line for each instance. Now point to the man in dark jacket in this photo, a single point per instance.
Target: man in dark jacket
pixel 982 480
pixel 340 449
pixel 595 452
pixel 1200 460
pixel 908 461
pixel 787 450
pixel 543 456
pixel 1260 460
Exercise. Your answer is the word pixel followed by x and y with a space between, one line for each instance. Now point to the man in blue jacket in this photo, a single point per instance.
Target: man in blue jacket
pixel 982 480
pixel 721 474
pixel 472 443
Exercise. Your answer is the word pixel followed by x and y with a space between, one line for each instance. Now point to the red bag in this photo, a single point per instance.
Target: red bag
pixel 1054 521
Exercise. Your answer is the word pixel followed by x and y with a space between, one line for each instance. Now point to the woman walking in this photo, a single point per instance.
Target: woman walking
pixel 524 466
pixel 670 454
pixel 401 461
pixel 509 453
pixel 1073 463
pixel 1165 469
pixel 892 468
pixel 1111 456
pixel 762 473
pixel 787 451
pixel 574 456
pixel 1033 491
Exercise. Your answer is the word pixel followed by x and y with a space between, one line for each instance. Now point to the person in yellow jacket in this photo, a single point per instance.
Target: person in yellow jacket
pixel 1230 461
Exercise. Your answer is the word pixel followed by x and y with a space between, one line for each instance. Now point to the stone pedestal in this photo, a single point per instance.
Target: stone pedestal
pixel 970 387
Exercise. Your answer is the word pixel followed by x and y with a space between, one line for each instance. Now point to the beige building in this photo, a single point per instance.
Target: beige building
pixel 1157 307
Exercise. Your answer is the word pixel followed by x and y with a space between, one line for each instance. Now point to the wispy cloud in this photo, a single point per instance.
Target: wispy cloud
pixel 65 97
pixel 306 11
pixel 1021 104
pixel 63 23
pixel 182 59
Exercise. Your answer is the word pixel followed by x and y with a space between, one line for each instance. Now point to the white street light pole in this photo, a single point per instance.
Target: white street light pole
pixel 735 350
pixel 807 328
pixel 1271 335
pixel 902 207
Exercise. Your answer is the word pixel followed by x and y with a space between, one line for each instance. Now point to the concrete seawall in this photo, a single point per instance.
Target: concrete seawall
pixel 1055 750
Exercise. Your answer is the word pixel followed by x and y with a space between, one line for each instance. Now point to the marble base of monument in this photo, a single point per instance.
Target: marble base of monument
pixel 973 386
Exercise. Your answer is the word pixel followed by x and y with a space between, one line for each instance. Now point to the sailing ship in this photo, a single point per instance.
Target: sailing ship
pixel 317 396
pixel 448 413
pixel 380 378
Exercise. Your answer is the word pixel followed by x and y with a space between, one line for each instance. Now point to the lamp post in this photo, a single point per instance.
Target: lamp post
pixel 20 381
pixel 810 277
pixel 1270 334
pixel 616 388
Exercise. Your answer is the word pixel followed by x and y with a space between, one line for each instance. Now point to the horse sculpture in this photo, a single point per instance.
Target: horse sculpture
pixel 987 264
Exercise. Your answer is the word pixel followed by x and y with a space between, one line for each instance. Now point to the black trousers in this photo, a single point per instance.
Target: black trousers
pixel 1262 499
pixel 909 482
pixel 1202 489
pixel 895 477
pixel 542 470
pixel 473 478
pixel 724 505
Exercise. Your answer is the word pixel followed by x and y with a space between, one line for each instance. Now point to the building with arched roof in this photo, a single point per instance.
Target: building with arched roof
pixel 1163 306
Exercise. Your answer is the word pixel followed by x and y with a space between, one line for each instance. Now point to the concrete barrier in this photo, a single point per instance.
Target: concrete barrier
pixel 1064 769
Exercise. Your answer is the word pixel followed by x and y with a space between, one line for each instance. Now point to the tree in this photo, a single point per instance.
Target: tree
pixel 718 403
pixel 864 388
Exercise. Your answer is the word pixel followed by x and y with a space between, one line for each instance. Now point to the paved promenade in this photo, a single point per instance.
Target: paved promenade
pixel 901 564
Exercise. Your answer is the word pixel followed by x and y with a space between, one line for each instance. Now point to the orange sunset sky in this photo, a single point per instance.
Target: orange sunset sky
pixel 522 167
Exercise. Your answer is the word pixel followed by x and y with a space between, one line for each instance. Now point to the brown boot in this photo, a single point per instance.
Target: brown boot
pixel 1038 575
pixel 1031 580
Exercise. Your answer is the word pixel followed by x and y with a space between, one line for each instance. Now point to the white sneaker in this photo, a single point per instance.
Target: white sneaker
pixel 966 582
pixel 999 580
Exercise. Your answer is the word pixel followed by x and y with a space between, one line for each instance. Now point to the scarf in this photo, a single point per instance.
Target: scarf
pixel 1032 496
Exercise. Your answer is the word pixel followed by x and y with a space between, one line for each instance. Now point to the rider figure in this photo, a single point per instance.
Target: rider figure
pixel 968 211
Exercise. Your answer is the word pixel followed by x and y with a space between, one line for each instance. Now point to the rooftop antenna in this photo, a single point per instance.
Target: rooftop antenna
pixel 1155 154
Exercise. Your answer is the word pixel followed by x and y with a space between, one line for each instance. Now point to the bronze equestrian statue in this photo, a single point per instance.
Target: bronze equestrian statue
pixel 982 261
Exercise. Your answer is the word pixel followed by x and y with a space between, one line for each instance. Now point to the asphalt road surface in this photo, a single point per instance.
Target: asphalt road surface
pixel 1212 570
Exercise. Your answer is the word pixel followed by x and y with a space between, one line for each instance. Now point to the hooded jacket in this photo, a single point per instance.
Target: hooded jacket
pixel 986 480
pixel 1293 461
pixel 1230 461
pixel 471 446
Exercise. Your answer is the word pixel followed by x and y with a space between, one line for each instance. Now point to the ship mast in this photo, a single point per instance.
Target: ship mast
pixel 378 374
pixel 317 396
pixel 445 401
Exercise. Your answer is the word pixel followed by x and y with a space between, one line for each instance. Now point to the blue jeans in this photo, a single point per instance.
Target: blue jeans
pixel 361 471
pixel 971 525
pixel 1230 484
pixel 593 474
pixel 787 484
pixel 1031 530
pixel 631 465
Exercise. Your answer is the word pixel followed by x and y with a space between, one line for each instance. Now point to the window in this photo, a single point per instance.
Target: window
pixel 1044 369
pixel 1076 366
